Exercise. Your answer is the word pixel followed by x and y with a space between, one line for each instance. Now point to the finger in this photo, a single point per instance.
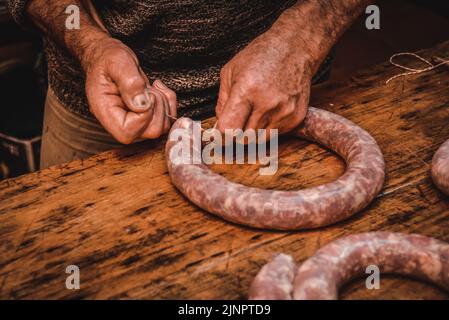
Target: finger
pixel 265 108
pixel 235 113
pixel 284 111
pixel 223 96
pixel 170 95
pixel 124 126
pixel 131 82
pixel 167 119
pixel 258 120
pixel 166 114
pixel 223 93
pixel 145 78
pixel 301 103
pixel 155 127
pixel 289 123
pixel 270 122
pixel 107 106
pixel 132 126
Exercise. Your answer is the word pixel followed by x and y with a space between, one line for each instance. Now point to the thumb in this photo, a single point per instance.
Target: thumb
pixel 132 83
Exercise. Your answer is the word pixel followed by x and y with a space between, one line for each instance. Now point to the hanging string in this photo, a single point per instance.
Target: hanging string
pixel 412 71
pixel 171 117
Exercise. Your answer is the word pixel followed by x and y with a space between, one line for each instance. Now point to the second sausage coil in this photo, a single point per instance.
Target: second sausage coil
pixel 320 276
pixel 440 168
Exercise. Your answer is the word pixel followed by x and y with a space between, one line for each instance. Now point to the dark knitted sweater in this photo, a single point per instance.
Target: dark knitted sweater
pixel 182 42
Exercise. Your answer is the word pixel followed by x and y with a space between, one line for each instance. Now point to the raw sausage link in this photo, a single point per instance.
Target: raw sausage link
pixel 440 168
pixel 329 268
pixel 286 210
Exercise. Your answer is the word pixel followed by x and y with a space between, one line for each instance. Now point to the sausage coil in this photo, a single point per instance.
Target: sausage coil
pixel 284 210
pixel 440 168
pixel 320 276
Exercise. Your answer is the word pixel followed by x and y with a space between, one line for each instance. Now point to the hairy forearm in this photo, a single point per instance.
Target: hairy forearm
pixel 317 24
pixel 50 17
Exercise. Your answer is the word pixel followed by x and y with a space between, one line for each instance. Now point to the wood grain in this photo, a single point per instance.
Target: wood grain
pixel 118 217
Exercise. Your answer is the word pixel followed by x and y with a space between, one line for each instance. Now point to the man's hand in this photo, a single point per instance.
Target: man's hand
pixel 120 95
pixel 267 84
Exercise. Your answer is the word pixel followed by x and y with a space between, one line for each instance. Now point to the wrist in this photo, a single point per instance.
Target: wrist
pixel 312 41
pixel 92 46
pixel 313 27
pixel 47 17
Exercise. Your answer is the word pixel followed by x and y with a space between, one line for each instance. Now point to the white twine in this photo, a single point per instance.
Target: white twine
pixel 412 71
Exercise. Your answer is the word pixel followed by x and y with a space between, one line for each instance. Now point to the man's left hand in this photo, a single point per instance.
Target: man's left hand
pixel 265 86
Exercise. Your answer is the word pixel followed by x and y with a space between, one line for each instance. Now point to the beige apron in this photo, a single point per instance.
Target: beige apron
pixel 67 136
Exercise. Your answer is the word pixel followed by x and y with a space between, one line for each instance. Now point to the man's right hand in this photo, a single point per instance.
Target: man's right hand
pixel 120 95
pixel 118 91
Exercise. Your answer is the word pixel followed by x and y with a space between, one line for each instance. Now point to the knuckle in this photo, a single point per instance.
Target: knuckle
pixel 265 99
pixel 172 95
pixel 289 108
pixel 284 98
pixel 269 103
pixel 298 116
pixel 224 71
pixel 124 138
pixel 153 134
pixel 133 82
pixel 120 52
pixel 94 108
pixel 157 134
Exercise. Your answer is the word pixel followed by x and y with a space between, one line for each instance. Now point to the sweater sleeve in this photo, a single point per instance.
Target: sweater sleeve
pixel 17 10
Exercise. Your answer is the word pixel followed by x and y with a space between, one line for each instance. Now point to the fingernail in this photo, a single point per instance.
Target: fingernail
pixel 141 102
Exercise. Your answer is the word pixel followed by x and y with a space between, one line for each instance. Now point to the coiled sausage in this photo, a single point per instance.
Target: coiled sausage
pixel 320 276
pixel 283 210
pixel 440 168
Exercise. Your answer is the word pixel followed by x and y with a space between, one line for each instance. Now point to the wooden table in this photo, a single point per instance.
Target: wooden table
pixel 119 219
